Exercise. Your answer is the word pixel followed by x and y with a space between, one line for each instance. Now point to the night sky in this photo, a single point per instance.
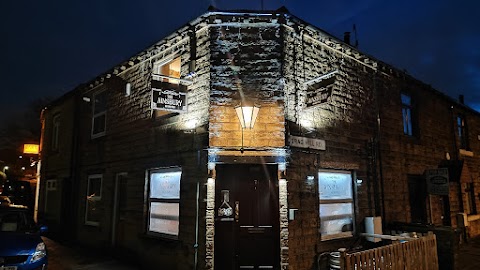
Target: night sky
pixel 49 47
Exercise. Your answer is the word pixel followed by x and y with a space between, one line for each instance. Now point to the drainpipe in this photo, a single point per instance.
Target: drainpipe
pixel 457 158
pixel 378 148
pixel 195 246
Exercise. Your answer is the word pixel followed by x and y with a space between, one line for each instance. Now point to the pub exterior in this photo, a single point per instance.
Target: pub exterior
pixel 253 140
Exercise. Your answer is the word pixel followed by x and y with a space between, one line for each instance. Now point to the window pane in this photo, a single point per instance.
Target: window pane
pixel 164 218
pixel 94 187
pixel 93 212
pixel 407 121
pixel 336 218
pixel 100 103
pixel 406 100
pixel 165 185
pixel 335 185
pixel 99 123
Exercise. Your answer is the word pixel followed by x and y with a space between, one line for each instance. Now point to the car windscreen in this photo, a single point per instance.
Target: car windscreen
pixel 15 221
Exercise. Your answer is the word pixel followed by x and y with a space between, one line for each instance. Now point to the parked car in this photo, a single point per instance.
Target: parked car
pixel 21 246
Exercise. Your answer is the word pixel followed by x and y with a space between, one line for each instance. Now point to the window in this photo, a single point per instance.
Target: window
pixel 94 197
pixel 471 206
pixel 164 202
pixel 99 118
pixel 407 114
pixel 169 72
pixel 462 132
pixel 55 132
pixel 336 204
pixel 51 185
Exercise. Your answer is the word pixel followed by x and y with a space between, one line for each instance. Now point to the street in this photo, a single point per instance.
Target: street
pixel 62 257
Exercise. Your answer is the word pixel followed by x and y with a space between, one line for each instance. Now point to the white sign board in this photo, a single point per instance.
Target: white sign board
pixel 437 181
pixel 304 142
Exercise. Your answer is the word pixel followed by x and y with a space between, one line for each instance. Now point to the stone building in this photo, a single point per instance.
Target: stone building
pixel 253 140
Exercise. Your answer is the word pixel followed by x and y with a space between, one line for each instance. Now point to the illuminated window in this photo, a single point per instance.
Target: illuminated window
pixel 407 114
pixel 336 204
pixel 93 199
pixel 55 132
pixel 99 118
pixel 164 202
pixel 169 71
pixel 462 132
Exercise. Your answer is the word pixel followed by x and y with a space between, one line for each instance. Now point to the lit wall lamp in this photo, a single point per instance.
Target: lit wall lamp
pixel 247 114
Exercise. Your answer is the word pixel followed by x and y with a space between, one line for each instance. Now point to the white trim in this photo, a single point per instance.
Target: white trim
pixel 149 200
pixel 104 112
pixel 349 200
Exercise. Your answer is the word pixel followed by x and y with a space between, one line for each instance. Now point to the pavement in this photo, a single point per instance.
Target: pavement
pixel 469 255
pixel 68 257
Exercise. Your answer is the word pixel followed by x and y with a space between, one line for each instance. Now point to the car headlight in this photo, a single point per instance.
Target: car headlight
pixel 40 252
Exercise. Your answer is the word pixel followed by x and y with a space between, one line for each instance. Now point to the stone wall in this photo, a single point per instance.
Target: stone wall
pixel 136 141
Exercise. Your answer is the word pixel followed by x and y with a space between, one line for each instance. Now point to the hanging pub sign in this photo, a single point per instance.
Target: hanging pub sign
pixel 437 181
pixel 169 97
pixel 319 90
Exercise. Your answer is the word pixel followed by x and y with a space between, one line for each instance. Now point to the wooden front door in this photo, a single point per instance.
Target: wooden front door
pixel 247 217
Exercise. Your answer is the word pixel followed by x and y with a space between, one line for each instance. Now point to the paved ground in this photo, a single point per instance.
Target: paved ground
pixel 63 257
pixel 469 255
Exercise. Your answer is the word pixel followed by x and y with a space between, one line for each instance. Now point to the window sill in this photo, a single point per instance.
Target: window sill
pixel 473 217
pixel 464 152
pixel 92 223
pixel 159 236
pixel 339 236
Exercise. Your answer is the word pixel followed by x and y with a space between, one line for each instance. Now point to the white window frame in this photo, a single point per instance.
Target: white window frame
pixel 99 114
pixel 343 200
pixel 95 199
pixel 55 131
pixel 157 69
pixel 167 199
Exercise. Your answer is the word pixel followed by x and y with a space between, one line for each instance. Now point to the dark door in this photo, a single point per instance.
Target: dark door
pixel 247 217
pixel 120 211
pixel 417 189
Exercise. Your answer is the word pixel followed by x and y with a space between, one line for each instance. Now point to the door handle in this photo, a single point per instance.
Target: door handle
pixel 237 210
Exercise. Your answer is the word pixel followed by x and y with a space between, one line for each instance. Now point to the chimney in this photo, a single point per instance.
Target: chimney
pixel 461 99
pixel 346 37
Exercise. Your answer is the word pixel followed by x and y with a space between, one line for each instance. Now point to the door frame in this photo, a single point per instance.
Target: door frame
pixel 278 179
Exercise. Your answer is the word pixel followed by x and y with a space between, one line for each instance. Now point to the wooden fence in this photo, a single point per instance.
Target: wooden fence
pixel 418 254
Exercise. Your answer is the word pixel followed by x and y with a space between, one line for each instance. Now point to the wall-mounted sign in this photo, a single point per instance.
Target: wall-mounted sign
pixel 319 90
pixel 304 142
pixel 437 181
pixel 30 148
pixel 168 97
